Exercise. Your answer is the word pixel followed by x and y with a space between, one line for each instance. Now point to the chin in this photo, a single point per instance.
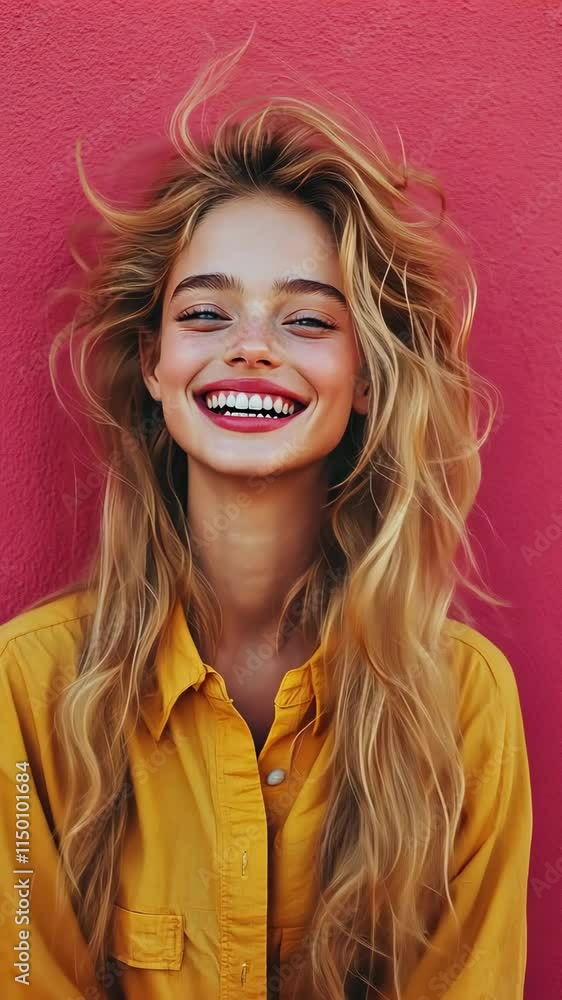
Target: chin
pixel 250 469
pixel 273 463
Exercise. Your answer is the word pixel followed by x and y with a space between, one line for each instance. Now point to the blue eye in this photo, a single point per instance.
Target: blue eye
pixel 198 314
pixel 211 314
pixel 313 319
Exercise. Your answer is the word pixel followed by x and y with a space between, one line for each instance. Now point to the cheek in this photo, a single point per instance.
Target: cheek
pixel 334 379
pixel 331 367
pixel 178 364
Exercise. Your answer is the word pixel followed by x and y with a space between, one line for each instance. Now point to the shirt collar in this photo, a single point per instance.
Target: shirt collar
pixel 178 666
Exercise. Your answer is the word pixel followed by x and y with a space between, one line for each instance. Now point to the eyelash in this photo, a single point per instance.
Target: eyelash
pixel 198 314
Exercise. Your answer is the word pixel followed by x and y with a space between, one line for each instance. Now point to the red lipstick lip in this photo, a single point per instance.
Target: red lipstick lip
pixel 250 385
pixel 246 424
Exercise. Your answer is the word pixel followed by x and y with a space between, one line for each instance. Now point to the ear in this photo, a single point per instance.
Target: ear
pixel 149 362
pixel 361 395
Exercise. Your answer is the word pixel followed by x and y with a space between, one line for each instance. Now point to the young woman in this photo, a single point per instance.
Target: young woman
pixel 250 755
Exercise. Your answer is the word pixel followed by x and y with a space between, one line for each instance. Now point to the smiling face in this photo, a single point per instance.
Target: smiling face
pixel 271 348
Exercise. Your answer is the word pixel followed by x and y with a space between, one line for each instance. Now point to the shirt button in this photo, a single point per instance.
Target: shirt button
pixel 276 776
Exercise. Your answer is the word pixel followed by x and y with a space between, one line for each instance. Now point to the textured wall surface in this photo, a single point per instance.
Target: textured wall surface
pixel 475 90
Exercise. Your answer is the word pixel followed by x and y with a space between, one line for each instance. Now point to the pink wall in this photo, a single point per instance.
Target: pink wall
pixel 475 91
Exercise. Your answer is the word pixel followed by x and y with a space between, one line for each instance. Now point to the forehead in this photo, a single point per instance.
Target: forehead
pixel 261 238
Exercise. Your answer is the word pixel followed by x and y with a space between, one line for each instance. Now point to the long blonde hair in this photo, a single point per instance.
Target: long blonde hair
pixel 404 478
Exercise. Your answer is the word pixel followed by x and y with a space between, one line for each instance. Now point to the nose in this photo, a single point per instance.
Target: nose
pixel 253 346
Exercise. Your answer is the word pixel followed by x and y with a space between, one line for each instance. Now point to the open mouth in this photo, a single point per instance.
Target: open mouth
pixel 249 411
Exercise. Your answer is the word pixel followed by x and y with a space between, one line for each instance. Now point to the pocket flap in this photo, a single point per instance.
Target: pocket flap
pixel 147 940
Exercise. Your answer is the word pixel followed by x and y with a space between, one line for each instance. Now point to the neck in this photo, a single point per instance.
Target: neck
pixel 252 539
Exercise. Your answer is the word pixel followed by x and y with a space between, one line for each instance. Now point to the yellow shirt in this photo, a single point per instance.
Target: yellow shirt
pixel 199 908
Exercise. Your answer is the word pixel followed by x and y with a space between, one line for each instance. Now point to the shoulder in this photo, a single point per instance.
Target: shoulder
pixel 491 727
pixel 38 647
pixel 485 675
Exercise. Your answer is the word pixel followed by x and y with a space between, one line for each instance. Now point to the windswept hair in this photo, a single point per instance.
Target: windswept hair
pixel 394 545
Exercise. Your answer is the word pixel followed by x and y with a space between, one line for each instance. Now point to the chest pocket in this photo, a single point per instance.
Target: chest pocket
pixel 147 940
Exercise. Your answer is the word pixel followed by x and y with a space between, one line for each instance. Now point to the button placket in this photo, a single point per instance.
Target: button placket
pixel 243 883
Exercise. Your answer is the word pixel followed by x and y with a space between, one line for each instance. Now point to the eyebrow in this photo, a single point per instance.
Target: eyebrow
pixel 292 286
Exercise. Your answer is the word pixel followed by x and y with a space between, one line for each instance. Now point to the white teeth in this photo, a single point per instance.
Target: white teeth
pixel 235 413
pixel 241 401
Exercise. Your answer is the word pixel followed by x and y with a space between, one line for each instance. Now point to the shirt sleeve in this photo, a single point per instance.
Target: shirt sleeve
pixel 44 948
pixel 486 958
